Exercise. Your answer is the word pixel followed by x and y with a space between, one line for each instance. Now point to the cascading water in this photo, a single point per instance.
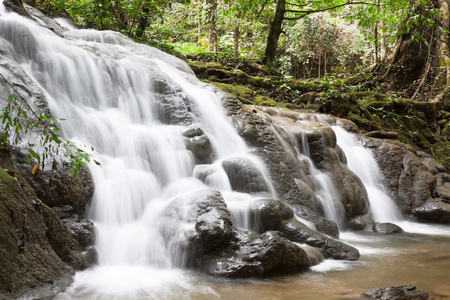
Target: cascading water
pixel 324 188
pixel 134 105
pixel 363 164
pixel 326 192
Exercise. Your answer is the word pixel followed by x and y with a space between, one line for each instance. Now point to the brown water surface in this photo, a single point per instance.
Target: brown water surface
pixel 422 260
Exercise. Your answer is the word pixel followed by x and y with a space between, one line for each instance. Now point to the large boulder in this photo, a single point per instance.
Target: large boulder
pixel 199 225
pixel 36 249
pixel 195 223
pixel 252 254
pixel 419 185
pixel 297 232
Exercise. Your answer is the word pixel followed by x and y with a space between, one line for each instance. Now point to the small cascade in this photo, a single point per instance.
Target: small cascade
pixel 326 191
pixel 362 163
pixel 324 188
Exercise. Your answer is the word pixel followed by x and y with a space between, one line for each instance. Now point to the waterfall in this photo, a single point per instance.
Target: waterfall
pixel 363 164
pixel 134 105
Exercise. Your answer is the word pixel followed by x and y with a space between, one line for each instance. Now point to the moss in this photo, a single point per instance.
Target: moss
pixel 441 150
pixel 264 101
pixel 369 95
pixel 361 122
pixel 377 105
pixel 289 105
pixel 243 93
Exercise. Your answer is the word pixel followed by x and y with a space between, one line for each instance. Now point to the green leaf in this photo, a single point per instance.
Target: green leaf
pixel 34 154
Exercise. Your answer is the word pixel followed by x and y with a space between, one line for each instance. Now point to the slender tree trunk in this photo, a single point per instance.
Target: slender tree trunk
pixel 320 64
pixel 274 33
pixel 237 36
pixel 383 48
pixel 143 22
pixel 375 38
pixel 199 20
pixel 212 22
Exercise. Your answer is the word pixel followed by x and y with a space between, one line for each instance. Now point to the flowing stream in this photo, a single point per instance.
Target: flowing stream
pixel 134 105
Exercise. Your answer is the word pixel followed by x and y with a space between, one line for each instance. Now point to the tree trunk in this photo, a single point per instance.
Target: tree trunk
pixel 237 36
pixel 274 33
pixel 407 66
pixel 375 38
pixel 143 22
pixel 383 46
pixel 211 18
pixel 199 20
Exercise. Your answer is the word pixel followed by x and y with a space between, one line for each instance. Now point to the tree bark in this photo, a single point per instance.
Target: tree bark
pixel 375 33
pixel 237 36
pixel 143 22
pixel 211 16
pixel 274 33
pixel 383 47
pixel 199 20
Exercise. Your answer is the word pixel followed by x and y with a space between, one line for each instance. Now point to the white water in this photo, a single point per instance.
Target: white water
pixel 362 163
pixel 113 97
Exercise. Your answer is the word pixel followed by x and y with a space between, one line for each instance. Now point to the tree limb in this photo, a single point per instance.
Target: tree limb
pixel 262 8
pixel 308 12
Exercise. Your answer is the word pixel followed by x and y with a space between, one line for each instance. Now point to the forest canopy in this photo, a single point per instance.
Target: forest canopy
pixel 301 38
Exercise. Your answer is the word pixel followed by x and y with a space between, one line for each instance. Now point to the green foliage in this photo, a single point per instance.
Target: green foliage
pixel 16 124
pixel 320 44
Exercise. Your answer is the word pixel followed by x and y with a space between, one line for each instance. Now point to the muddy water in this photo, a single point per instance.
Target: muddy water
pixel 420 259
pixel 417 259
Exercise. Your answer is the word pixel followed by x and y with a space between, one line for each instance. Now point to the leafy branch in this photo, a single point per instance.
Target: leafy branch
pixel 17 123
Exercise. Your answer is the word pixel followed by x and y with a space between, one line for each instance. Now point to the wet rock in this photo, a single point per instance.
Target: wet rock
pixel 175 108
pixel 364 222
pixel 297 232
pixel 54 184
pixel 417 183
pixel 401 292
pixel 434 210
pixel 254 255
pixel 382 135
pixel 269 213
pixel 320 223
pixel 16 6
pixel 443 192
pixel 200 145
pixel 82 231
pixel 409 181
pixel 244 176
pixel 85 258
pixel 386 228
pixel 353 193
pixel 196 223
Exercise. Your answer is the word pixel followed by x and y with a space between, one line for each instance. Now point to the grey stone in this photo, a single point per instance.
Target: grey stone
pixel 401 292
pixel 386 228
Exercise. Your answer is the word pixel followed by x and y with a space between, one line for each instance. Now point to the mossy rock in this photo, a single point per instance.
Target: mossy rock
pixel 244 94
pixel 264 101
pixel 369 95
pixel 441 151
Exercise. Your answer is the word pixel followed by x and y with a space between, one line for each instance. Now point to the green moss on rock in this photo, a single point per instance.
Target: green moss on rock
pixel 264 101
